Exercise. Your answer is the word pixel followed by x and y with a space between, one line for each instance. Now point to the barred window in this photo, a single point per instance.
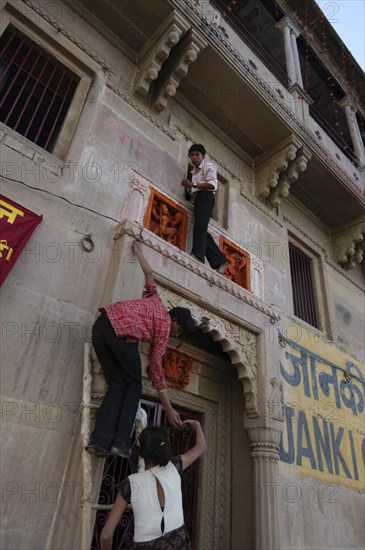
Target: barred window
pixel 301 270
pixel 36 89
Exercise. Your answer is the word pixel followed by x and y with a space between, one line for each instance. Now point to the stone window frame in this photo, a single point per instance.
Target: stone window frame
pixel 220 210
pixel 319 286
pixel 10 16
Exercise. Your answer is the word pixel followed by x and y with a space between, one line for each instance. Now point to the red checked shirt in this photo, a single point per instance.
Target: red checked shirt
pixel 148 321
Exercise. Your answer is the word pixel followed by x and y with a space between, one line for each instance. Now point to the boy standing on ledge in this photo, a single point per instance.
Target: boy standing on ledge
pixel 203 185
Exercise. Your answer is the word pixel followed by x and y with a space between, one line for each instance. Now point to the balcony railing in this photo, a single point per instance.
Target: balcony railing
pixel 258 49
pixel 336 138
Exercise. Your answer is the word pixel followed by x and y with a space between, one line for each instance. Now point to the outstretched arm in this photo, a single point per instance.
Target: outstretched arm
pixel 200 446
pixel 172 415
pixel 115 515
pixel 146 268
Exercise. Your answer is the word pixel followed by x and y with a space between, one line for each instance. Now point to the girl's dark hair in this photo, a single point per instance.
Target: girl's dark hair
pixel 154 446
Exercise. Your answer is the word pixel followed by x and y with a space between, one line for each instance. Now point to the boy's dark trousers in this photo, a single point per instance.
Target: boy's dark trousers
pixel 121 365
pixel 203 243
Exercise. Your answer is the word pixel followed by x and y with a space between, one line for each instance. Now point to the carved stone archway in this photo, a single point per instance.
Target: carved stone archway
pixel 235 340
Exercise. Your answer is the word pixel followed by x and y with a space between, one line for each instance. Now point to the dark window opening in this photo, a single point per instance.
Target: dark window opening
pixel 36 89
pixel 302 285
pixel 255 21
pixel 325 93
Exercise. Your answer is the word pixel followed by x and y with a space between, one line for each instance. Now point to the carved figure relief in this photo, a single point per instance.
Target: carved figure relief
pixel 166 219
pixel 177 368
pixel 238 268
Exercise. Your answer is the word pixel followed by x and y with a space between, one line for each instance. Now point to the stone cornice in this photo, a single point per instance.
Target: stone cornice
pixel 54 22
pixel 150 239
pixel 268 94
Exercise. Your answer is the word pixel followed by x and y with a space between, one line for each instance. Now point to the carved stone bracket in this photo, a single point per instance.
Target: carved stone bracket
pixel 189 50
pixel 277 172
pixel 349 245
pixel 272 164
pixel 157 50
pixel 289 176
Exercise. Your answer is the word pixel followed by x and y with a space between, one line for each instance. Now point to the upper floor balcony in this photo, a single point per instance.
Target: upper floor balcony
pixel 180 53
pixel 241 74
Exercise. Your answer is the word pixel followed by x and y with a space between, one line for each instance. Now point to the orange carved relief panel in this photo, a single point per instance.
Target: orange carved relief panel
pixel 177 367
pixel 238 268
pixel 166 219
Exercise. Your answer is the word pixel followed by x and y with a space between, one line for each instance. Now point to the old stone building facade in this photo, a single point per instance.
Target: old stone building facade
pixel 100 103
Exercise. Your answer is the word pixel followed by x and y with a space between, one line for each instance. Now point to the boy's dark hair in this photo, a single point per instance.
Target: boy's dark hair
pixel 197 147
pixel 183 317
pixel 154 446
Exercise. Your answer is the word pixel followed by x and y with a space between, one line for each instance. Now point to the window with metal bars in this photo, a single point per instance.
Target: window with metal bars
pixel 36 89
pixel 301 270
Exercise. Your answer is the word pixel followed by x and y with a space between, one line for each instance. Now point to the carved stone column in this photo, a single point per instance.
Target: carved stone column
pixel 357 143
pixel 298 72
pixel 264 444
pixel 285 26
pixel 135 203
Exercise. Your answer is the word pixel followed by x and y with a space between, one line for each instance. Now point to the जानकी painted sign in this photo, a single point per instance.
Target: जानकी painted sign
pixel 324 394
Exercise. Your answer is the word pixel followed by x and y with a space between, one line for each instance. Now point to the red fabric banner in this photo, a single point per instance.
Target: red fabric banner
pixel 16 226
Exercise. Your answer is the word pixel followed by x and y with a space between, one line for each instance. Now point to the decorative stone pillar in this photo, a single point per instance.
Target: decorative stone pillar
pixel 264 444
pixel 285 26
pixel 294 33
pixel 357 143
pixel 137 195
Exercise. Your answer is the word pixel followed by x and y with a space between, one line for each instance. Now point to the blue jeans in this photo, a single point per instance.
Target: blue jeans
pixel 121 365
